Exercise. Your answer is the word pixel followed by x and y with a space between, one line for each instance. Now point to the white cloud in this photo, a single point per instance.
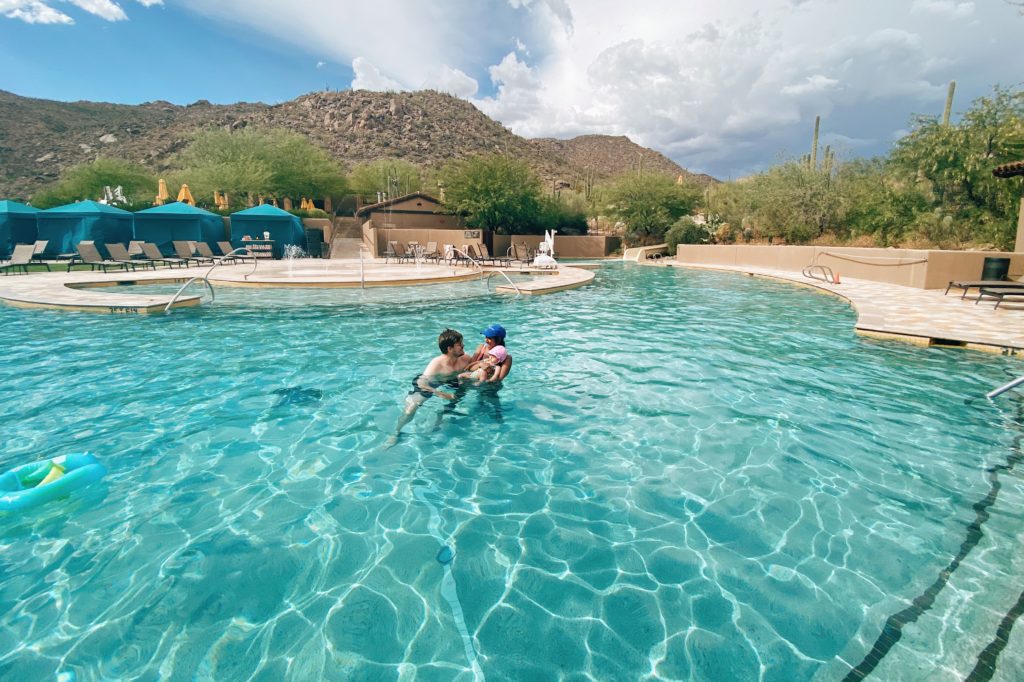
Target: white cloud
pixel 39 12
pixel 369 77
pixel 815 83
pixel 946 8
pixel 33 12
pixel 321 64
pixel 453 81
pixel 105 9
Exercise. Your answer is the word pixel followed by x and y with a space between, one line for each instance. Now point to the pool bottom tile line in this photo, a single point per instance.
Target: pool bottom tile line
pixel 892 631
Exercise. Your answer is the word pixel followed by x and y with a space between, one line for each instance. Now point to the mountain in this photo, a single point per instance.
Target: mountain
pixel 39 139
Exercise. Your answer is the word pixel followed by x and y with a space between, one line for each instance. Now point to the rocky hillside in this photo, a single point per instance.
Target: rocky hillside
pixel 40 138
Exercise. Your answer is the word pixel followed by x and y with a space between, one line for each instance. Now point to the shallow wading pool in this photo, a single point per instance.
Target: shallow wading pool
pixel 687 475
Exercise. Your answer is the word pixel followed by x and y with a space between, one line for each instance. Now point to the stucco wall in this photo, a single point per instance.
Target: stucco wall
pixel 586 246
pixel 379 238
pixel 908 267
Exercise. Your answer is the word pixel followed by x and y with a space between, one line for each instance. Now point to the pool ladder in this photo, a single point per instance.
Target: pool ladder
pixel 206 277
pixel 487 283
pixel 820 272
pixel 1003 389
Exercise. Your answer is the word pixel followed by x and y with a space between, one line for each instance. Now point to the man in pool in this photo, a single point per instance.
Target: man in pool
pixel 441 371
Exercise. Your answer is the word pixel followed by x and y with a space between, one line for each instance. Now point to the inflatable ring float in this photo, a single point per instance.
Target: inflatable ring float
pixel 31 485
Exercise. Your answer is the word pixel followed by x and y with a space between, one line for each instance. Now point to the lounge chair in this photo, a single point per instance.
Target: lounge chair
pixel 1000 293
pixel 430 251
pixel 226 249
pixel 396 251
pixel 20 258
pixel 91 256
pixel 186 251
pixel 519 253
pixel 120 254
pixel 206 252
pixel 485 255
pixel 153 254
pixel 38 248
pixel 135 249
pixel 978 284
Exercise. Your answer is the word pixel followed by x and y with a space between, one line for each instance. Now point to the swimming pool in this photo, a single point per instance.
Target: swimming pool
pixel 688 475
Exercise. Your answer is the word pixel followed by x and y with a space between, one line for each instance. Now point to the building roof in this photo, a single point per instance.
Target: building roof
pixel 391 202
pixel 1009 170
pixel 264 210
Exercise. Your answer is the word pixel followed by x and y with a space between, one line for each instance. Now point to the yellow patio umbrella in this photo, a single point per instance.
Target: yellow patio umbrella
pixel 186 196
pixel 162 195
pixel 216 198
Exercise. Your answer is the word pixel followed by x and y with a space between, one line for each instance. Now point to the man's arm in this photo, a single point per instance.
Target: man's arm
pixel 424 380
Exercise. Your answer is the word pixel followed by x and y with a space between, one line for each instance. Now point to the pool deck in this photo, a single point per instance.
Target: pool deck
pixel 73 290
pixel 924 317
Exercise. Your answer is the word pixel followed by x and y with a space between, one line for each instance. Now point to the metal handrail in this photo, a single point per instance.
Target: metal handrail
pixel 474 262
pixel 1003 389
pixel 206 277
pixel 826 276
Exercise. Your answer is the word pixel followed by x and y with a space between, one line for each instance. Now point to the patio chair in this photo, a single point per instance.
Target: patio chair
pixel 120 254
pixel 135 249
pixel 20 258
pixel 519 253
pixel 38 248
pixel 430 251
pixel 980 283
pixel 186 251
pixel 206 252
pixel 226 248
pixel 485 255
pixel 391 251
pixel 1001 294
pixel 153 254
pixel 91 256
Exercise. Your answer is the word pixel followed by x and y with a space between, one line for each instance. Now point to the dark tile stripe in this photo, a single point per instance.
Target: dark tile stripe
pixel 892 631
pixel 986 665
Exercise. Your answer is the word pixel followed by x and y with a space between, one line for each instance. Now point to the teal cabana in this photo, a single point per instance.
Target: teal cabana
pixel 284 228
pixel 65 226
pixel 17 226
pixel 178 221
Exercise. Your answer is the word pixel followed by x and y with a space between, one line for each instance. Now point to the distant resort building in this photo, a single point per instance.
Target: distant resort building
pixel 416 211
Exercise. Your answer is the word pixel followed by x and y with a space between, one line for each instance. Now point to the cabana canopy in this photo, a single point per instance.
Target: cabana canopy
pixel 70 224
pixel 284 228
pixel 162 225
pixel 17 225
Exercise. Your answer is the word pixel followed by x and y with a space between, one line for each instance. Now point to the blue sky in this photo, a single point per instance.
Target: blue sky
pixel 726 88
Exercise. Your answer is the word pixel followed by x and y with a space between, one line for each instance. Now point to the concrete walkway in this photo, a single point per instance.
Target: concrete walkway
pixel 75 290
pixel 921 316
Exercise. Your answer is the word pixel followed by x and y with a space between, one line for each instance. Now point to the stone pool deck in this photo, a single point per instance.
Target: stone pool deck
pixel 921 316
pixel 74 290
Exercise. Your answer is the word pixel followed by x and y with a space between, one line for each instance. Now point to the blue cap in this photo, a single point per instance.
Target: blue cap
pixel 495 331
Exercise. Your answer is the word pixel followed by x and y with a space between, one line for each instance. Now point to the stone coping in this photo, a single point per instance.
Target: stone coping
pixel 72 290
pixel 921 316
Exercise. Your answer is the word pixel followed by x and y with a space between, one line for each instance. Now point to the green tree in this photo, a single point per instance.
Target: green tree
pixel 86 181
pixel 494 193
pixel 648 204
pixel 394 176
pixel 795 202
pixel 273 162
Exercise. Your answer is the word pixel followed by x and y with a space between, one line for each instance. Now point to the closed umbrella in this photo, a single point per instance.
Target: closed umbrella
pixel 185 196
pixel 162 195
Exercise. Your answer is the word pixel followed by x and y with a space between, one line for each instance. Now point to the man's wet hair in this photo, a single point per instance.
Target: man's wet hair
pixel 447 339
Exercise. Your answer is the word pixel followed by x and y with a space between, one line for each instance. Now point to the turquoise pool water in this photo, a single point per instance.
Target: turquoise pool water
pixel 688 476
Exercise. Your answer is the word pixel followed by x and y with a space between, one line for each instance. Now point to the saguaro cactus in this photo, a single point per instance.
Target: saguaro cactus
pixel 949 103
pixel 814 144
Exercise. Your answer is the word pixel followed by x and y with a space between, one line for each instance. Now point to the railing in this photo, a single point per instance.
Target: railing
pixel 1003 389
pixel 820 272
pixel 206 277
pixel 481 268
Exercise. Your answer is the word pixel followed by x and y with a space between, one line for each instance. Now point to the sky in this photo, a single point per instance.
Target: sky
pixel 726 88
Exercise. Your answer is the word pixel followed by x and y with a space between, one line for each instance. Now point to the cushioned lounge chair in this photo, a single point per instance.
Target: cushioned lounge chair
pixel 91 256
pixel 186 251
pixel 20 259
pixel 978 284
pixel 1013 293
pixel 120 254
pixel 152 252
